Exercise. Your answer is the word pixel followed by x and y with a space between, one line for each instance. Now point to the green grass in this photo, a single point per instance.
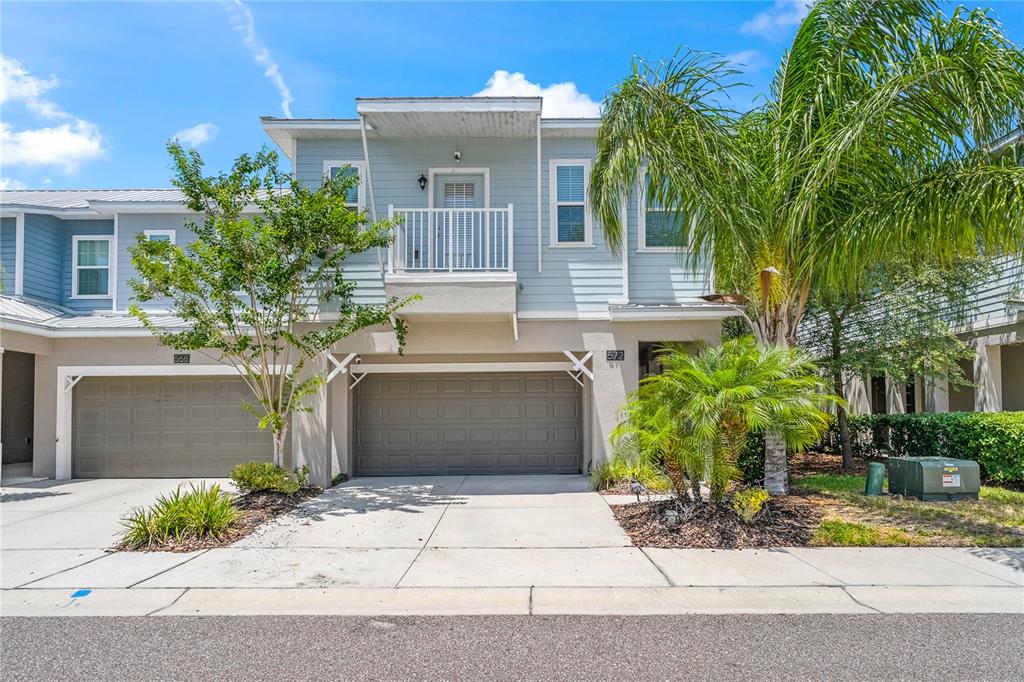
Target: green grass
pixel 840 533
pixel 996 519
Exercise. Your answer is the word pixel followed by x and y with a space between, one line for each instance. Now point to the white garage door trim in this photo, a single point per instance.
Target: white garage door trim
pixel 68 376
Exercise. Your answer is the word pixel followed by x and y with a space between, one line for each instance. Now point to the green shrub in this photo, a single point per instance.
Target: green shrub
pixel 994 439
pixel 258 477
pixel 751 459
pixel 199 513
pixel 621 469
pixel 748 503
pixel 340 477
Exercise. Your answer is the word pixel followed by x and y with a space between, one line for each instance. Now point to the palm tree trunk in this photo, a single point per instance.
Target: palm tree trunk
pixel 776 470
pixel 678 478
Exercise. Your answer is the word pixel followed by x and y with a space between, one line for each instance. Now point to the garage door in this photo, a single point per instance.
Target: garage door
pixel 140 427
pixel 467 423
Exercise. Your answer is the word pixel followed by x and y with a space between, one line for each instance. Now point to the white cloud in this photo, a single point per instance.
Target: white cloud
pixel 11 183
pixel 561 100
pixel 241 17
pixel 64 145
pixel 197 134
pixel 752 60
pixel 772 23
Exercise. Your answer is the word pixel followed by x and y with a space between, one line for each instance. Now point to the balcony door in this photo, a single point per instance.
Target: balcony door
pixel 459 233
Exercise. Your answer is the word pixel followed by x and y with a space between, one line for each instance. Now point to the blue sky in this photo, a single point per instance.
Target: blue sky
pixel 92 91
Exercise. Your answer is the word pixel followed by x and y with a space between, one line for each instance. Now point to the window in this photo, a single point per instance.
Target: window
pixel 160 235
pixel 90 277
pixel 661 229
pixel 570 217
pixel 333 169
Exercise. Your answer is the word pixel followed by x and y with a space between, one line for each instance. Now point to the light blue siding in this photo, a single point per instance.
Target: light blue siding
pixel 8 257
pixel 44 237
pixel 572 280
pixel 993 299
pixel 71 229
pixel 662 277
pixel 129 226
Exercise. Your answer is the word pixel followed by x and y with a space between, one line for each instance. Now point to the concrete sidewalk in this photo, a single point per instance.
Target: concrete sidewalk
pixel 795 580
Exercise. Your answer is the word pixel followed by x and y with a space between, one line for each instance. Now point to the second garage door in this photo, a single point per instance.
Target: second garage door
pixel 467 423
pixel 153 427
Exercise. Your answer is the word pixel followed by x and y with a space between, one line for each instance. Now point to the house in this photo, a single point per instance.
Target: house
pixel 530 331
pixel 994 330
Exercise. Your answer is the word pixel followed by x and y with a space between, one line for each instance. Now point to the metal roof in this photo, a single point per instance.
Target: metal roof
pixel 84 199
pixel 49 320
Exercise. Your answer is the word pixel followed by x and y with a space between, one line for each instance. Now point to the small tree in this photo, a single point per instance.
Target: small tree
pixel 900 324
pixel 265 261
pixel 694 418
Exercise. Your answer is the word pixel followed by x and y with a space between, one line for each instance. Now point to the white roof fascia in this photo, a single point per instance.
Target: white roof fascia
pixel 455 105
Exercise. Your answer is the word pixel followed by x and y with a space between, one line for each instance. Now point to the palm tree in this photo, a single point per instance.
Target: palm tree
pixel 872 143
pixel 694 418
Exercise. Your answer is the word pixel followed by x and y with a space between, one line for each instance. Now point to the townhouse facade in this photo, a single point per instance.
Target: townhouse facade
pixel 529 334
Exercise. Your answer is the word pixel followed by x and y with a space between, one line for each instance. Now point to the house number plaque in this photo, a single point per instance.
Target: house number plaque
pixel 182 358
pixel 615 355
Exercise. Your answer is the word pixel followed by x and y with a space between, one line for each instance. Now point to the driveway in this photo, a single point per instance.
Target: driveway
pixel 50 526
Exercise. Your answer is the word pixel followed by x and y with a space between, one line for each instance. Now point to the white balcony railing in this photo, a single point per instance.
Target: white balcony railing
pixel 451 240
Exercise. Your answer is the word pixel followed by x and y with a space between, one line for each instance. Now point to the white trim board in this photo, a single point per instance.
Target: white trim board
pixel 458 170
pixel 111 266
pixel 588 220
pixel 19 254
pixel 457 367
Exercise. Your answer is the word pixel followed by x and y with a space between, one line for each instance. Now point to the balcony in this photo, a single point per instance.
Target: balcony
pixel 458 259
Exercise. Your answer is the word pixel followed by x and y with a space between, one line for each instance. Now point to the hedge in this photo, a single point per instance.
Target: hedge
pixel 994 439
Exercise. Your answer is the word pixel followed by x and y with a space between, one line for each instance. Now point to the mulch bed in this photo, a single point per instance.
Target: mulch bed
pixel 815 463
pixel 785 522
pixel 255 510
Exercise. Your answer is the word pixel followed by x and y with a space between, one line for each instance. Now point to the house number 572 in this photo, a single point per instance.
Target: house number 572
pixel 615 355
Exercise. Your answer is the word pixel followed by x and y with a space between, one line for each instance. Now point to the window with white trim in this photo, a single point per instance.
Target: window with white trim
pixel 661 228
pixel 160 236
pixel 355 199
pixel 90 276
pixel 570 217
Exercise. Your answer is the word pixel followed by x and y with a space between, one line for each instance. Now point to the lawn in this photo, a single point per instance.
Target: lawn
pixel 852 519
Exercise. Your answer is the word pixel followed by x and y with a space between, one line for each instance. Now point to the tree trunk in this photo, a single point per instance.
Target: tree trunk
pixel 280 439
pixel 842 422
pixel 776 470
pixel 677 477
pixel 776 473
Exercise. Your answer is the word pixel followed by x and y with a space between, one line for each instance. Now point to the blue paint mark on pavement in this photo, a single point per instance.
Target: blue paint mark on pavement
pixel 80 593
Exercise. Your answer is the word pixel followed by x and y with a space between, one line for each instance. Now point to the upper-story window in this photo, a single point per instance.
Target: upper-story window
pixel 355 199
pixel 571 223
pixel 661 228
pixel 160 235
pixel 90 277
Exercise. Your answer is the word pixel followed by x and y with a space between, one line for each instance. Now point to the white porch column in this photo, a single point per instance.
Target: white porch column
pixel 855 392
pixel 936 394
pixel 340 452
pixel 988 375
pixel 311 431
pixel 895 396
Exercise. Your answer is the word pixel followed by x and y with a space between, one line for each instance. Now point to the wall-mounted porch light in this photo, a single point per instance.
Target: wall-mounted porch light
pixel 423 181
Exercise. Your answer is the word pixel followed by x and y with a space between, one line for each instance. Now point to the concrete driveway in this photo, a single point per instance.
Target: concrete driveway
pixel 51 526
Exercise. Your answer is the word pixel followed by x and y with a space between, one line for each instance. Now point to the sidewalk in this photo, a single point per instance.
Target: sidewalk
pixel 791 580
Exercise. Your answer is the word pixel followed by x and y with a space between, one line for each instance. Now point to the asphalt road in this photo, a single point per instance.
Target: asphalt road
pixel 869 647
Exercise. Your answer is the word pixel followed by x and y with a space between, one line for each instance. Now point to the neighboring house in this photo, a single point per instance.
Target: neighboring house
pixel 994 331
pixel 530 333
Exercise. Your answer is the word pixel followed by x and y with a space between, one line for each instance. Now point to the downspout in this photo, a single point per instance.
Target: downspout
pixel 540 210
pixel 19 254
pixel 624 218
pixel 369 187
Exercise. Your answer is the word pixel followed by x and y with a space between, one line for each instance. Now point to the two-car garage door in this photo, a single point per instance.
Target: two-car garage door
pixel 523 422
pixel 168 426
pixel 150 427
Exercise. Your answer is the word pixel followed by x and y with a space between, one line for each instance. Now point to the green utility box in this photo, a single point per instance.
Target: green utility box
pixel 934 478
